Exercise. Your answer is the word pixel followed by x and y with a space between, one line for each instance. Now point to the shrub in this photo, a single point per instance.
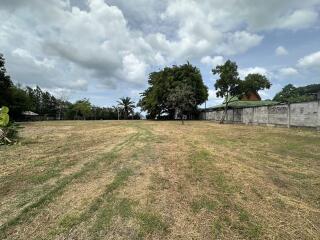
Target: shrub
pixel 8 130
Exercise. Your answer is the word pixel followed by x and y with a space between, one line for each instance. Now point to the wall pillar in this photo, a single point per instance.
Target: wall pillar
pixel 253 108
pixel 318 124
pixel 289 116
pixel 233 115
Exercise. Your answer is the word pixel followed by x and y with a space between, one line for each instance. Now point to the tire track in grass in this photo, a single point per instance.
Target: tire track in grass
pixel 34 208
pixel 120 179
pixel 106 207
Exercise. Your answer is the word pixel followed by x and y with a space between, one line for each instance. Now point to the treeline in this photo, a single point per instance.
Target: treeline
pixel 292 94
pixel 24 101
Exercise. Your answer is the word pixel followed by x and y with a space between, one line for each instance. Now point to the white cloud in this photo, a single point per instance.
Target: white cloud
pixel 281 51
pixel 212 95
pixel 274 14
pixel 212 99
pixel 298 19
pixel 243 72
pixel 289 71
pixel 213 62
pixel 310 61
pixel 134 70
pixel 24 54
pixel 95 43
pixel 239 42
pixel 59 45
pixel 79 84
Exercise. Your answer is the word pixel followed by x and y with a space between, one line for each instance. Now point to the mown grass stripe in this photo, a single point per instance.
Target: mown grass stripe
pixel 118 181
pixel 29 210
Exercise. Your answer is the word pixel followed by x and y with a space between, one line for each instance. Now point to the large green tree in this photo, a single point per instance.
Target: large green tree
pixel 155 99
pixel 229 86
pixel 5 85
pixel 254 82
pixel 82 108
pixel 182 99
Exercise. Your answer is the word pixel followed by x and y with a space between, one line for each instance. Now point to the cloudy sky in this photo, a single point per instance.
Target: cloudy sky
pixel 104 49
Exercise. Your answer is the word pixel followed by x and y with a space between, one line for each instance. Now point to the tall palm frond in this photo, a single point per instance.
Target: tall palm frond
pixel 127 105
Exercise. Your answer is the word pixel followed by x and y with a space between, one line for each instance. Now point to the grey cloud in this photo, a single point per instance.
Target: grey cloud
pixel 117 42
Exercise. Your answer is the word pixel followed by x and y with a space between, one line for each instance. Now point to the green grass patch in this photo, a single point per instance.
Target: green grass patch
pixel 69 221
pixel 104 214
pixel 45 176
pixel 247 226
pixel 152 223
pixel 216 229
pixel 111 208
pixel 158 182
pixel 32 209
pixel 203 203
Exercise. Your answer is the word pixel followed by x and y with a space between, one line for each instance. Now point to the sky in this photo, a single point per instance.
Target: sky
pixel 105 49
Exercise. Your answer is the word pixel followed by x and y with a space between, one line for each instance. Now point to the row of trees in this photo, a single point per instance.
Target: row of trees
pixel 36 100
pixel 292 94
pixel 181 89
pixel 173 91
pixel 83 109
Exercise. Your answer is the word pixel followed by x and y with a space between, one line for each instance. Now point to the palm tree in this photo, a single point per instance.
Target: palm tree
pixel 127 106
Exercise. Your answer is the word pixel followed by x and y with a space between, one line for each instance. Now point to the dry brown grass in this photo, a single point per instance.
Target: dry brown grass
pixel 160 180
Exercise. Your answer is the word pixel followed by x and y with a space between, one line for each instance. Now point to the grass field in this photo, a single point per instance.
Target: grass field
pixel 160 180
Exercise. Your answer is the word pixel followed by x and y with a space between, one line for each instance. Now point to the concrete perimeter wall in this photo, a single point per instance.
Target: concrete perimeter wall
pixel 305 114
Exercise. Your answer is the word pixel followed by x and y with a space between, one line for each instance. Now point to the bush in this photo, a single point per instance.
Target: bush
pixel 8 130
pixel 9 133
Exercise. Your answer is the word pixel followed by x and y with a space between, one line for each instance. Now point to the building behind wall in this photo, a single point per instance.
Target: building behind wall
pixel 305 114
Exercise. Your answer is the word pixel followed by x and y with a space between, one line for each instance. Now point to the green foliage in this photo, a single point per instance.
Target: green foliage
pixel 229 86
pixel 228 83
pixel 182 99
pixel 9 133
pixel 254 82
pixel 291 94
pixel 82 108
pixel 127 106
pixel 4 116
pixel 103 113
pixel 20 99
pixel 5 84
pixel 155 100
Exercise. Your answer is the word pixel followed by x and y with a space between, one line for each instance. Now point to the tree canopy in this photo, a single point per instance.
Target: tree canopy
pixel 82 108
pixel 229 85
pixel 182 99
pixel 254 82
pixel 291 94
pixel 5 84
pixel 163 83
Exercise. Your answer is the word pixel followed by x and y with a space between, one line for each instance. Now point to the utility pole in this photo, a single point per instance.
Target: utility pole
pixel 205 110
pixel 118 113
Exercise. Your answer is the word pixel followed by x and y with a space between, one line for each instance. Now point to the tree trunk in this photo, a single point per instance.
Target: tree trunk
pixel 181 115
pixel 225 110
pixel 224 114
